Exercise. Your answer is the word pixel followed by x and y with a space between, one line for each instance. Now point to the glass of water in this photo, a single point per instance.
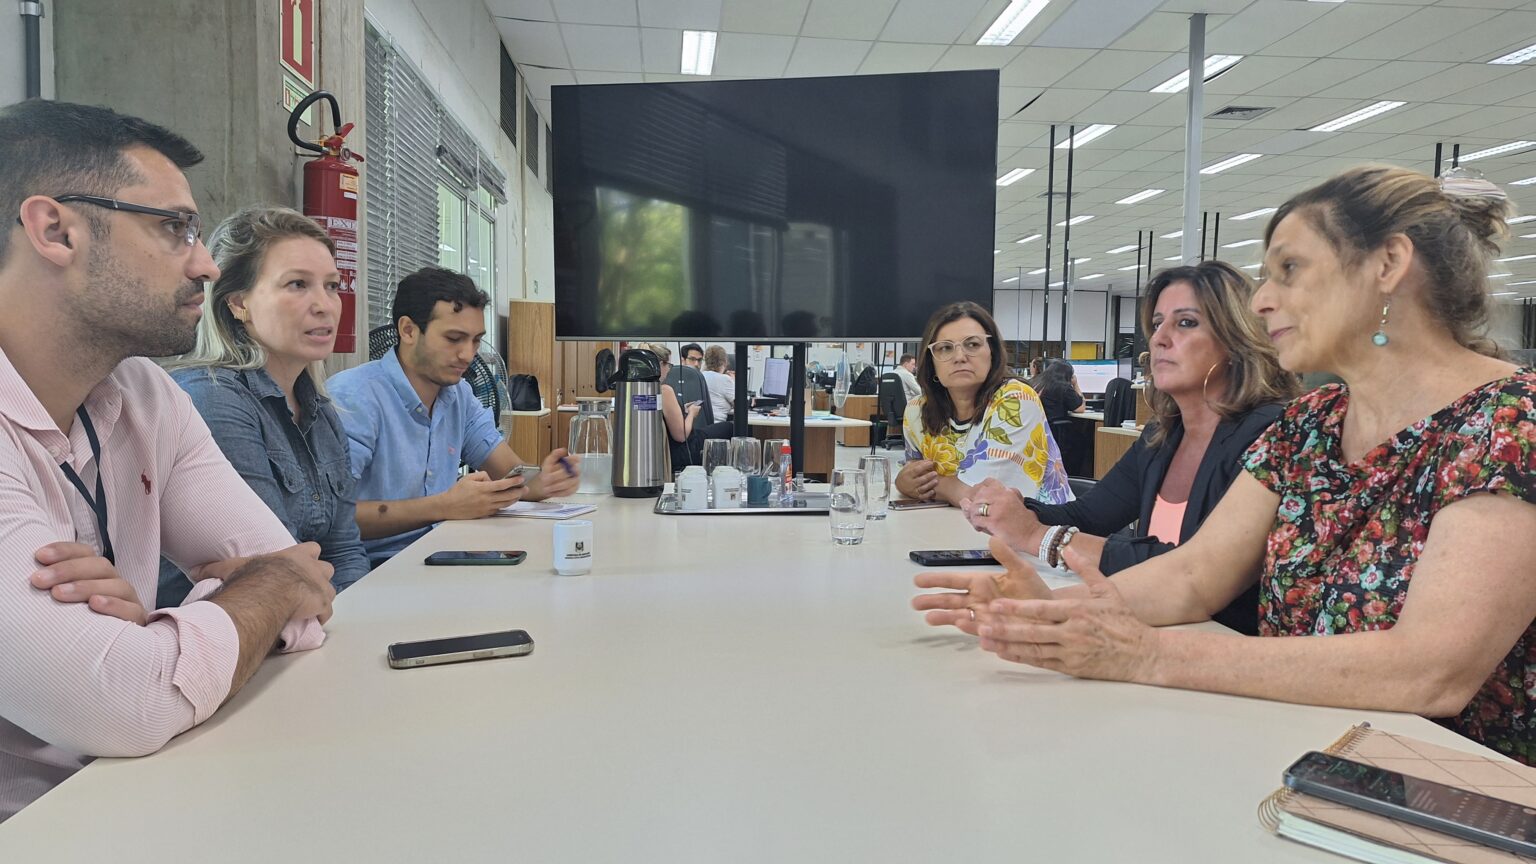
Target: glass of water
pixel 717 452
pixel 877 484
pixel 847 506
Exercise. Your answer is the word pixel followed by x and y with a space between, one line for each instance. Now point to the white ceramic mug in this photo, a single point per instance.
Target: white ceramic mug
pixel 573 547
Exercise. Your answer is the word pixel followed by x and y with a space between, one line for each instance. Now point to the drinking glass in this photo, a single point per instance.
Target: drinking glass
pixel 717 452
pixel 739 446
pixel 877 484
pixel 847 506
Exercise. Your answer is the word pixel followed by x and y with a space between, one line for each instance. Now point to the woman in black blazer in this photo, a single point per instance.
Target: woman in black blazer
pixel 1215 385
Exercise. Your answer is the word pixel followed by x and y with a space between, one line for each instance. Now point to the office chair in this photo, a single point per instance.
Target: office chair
pixel 381 339
pixel 1080 486
pixel 1119 403
pixel 1073 442
pixel 891 405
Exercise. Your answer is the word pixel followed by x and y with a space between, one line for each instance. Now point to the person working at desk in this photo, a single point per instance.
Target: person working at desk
pixel 108 466
pixel 411 418
pixel 1379 513
pixel 906 370
pixel 1060 395
pixel 269 321
pixel 685 442
pixel 720 380
pixel 972 421
pixel 1219 385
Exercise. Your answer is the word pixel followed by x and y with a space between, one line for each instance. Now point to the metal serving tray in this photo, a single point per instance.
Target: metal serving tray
pixel 806 504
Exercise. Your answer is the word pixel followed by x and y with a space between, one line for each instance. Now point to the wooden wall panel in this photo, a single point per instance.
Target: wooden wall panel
pixel 531 345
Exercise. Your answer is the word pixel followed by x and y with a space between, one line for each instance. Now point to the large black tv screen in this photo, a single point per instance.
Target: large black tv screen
pixel 845 208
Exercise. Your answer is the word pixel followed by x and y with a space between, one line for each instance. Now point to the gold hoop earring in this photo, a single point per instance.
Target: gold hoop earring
pixel 1207 381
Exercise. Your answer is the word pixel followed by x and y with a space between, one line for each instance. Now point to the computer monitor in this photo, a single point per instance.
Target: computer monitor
pixel 775 378
pixel 1093 376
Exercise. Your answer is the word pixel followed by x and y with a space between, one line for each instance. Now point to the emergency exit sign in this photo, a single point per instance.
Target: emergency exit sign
pixel 296 35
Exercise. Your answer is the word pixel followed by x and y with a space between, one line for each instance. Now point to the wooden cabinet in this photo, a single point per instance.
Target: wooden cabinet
pixel 857 408
pixel 1109 445
pixel 531 434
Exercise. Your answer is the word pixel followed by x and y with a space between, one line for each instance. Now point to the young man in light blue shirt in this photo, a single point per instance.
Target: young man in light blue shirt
pixel 411 418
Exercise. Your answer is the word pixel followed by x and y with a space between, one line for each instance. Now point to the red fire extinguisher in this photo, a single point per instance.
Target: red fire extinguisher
pixel 330 198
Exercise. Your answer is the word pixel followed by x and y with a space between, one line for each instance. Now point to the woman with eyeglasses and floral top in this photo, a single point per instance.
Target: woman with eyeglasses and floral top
pixel 973 421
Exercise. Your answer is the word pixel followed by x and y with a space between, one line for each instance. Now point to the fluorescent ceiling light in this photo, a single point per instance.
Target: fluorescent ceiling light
pixel 698 52
pixel 1513 57
pixel 1239 159
pixel 1014 176
pixel 1528 236
pixel 1526 282
pixel 1250 266
pixel 1500 275
pixel 1055 284
pixel 1132 267
pixel 1516 258
pixel 1093 276
pixel 1012 22
pixel 1097 130
pixel 1240 243
pixel 1174 236
pixel 1075 220
pixel 1118 249
pixel 1081 260
pixel 1254 214
pixel 1519 219
pixel 1503 293
pixel 1502 148
pixel 1027 239
pixel 1215 64
pixel 1526 182
pixel 1037 272
pixel 1174 258
pixel 1010 279
pixel 1141 196
pixel 1360 116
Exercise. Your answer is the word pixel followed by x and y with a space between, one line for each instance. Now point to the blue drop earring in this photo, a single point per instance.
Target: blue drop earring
pixel 1379 338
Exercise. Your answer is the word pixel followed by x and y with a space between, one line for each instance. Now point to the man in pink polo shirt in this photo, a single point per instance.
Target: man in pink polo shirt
pixel 105 465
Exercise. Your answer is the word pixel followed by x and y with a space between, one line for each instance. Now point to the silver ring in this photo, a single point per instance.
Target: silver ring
pixel 982 508
pixel 973 613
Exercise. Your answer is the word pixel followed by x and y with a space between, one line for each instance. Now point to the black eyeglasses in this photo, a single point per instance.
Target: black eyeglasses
pixel 184 226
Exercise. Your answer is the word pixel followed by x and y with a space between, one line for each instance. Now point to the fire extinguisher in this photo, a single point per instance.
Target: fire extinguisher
pixel 330 198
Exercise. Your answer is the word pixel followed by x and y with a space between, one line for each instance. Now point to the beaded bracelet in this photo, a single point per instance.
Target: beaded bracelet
pixel 1053 554
pixel 1046 541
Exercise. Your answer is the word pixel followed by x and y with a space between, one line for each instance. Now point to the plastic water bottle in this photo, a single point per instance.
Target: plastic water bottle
pixel 787 468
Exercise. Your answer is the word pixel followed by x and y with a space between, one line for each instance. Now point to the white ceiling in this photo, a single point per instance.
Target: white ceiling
pixel 1093 61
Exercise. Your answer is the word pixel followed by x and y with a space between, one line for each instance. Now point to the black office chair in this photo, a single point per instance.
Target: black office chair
pixel 381 339
pixel 1073 442
pixel 1081 486
pixel 891 406
pixel 1119 403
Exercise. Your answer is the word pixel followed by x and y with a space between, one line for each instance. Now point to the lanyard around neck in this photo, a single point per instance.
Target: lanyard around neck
pixel 99 501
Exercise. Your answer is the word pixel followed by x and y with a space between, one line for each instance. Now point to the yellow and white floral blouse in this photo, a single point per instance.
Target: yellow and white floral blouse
pixel 1012 443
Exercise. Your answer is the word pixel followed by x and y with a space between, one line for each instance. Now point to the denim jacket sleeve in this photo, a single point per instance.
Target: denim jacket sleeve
pixel 343 547
pixel 233 416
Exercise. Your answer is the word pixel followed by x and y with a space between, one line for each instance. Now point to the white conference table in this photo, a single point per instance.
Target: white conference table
pixel 718 689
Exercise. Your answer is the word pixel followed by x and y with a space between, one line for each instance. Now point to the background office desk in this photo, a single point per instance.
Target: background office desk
pixel 721 689
pixel 820 444
pixel 1109 446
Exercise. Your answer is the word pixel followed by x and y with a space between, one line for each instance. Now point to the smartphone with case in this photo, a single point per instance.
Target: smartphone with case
pixel 953 557
pixel 525 470
pixel 460 558
pixel 460 649
pixel 915 504
pixel 1460 813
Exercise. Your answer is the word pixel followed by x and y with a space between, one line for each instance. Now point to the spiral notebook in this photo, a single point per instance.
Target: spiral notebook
pixel 1372 838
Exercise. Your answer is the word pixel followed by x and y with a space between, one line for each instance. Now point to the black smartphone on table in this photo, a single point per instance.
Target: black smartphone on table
pixel 1469 815
pixel 459 558
pixel 953 557
pixel 459 649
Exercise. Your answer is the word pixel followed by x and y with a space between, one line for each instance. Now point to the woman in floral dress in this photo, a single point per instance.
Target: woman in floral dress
pixel 973 421
pixel 1392 514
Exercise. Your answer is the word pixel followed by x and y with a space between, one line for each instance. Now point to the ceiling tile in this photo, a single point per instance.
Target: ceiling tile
pixel 534 43
pixel 1042 67
pixel 1110 70
pixel 1251 74
pixel 1394 76
pixel 838 19
pixel 540 80
pixel 826 57
pixel 1423 28
pixel 1341 25
pixel 933 21
pixel 612 49
pixel 586 76
pixel 1094 23
pixel 1493 90
pixel 531 10
pixel 1484 41
pixel 752 55
pixel 680 14
pixel 1011 100
pixel 1413 117
pixel 976 57
pixel 781 17
pixel 1256 28
pixel 661 51
pixel 886 57
pixel 1060 106
pixel 1441 85
pixel 613 12
pixel 1122 106
pixel 1160 31
pixel 1316 76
